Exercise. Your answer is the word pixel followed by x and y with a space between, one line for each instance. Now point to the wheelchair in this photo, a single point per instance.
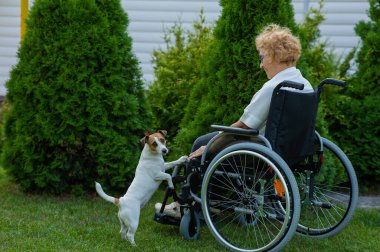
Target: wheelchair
pixel 255 192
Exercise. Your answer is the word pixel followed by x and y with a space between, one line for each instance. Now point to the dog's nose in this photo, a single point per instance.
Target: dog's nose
pixel 165 151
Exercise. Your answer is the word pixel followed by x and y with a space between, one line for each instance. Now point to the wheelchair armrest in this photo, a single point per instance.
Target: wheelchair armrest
pixel 234 130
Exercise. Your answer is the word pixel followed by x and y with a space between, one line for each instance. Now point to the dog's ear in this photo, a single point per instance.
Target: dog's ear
pixel 163 132
pixel 145 138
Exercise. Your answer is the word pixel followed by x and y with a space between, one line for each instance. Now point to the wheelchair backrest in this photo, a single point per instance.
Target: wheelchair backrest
pixel 291 122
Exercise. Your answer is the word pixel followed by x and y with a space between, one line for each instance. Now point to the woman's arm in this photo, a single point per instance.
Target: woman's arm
pixel 199 152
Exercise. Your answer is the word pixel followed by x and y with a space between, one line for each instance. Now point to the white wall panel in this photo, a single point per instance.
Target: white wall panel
pixel 9 38
pixel 343 7
pixel 174 6
pixel 8 3
pixel 8 51
pixel 8 31
pixel 9 11
pixel 8 61
pixel 342 41
pixel 337 30
pixel 154 26
pixel 10 21
pixel 166 16
pixel 9 41
pixel 155 37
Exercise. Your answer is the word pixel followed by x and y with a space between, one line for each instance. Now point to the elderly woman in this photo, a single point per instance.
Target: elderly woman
pixel 279 51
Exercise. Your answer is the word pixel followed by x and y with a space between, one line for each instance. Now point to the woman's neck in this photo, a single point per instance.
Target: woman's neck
pixel 279 68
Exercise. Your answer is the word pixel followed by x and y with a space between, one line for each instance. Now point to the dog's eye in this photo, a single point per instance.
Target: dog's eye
pixel 154 144
pixel 162 140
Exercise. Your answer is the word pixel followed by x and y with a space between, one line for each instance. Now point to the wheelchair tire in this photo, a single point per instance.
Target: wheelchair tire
pixel 335 190
pixel 239 185
pixel 190 225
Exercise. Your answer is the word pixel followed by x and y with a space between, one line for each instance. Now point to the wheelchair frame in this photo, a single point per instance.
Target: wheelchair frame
pixel 251 200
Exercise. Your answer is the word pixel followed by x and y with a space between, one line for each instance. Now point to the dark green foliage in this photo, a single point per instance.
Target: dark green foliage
pixel 177 69
pixel 77 104
pixel 357 121
pixel 4 107
pixel 345 66
pixel 230 69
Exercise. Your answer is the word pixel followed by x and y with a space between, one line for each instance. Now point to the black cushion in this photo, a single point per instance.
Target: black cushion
pixel 291 124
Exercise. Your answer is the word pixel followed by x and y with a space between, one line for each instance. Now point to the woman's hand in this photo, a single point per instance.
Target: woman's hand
pixel 198 152
pixel 239 124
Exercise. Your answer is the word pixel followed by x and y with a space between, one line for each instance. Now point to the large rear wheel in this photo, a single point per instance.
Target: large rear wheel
pixel 329 196
pixel 240 193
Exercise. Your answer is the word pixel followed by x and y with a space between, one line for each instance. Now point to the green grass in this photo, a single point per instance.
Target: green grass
pixel 42 223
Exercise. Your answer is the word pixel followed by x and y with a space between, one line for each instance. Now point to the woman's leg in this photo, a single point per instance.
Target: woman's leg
pixel 202 140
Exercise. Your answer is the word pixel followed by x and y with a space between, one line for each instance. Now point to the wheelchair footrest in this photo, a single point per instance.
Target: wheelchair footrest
pixel 167 220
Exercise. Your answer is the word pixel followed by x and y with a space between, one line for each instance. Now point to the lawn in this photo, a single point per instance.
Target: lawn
pixel 41 223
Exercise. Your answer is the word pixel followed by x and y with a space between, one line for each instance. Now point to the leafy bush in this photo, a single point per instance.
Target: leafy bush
pixel 77 106
pixel 4 107
pixel 177 69
pixel 357 122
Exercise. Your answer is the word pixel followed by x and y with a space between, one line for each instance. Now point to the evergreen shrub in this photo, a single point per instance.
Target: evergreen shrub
pixel 357 118
pixel 177 69
pixel 77 106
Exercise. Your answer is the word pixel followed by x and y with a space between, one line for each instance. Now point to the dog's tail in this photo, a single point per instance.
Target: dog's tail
pixel 102 194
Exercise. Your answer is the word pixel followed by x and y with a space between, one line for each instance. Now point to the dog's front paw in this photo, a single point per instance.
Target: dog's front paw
pixel 183 159
pixel 171 185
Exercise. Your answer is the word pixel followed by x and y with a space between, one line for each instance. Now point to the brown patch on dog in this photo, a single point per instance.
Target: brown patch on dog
pixel 117 201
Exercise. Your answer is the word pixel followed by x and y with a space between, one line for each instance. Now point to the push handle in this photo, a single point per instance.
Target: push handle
pixel 332 81
pixel 290 84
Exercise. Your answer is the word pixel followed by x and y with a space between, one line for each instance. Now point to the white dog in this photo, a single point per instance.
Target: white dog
pixel 150 172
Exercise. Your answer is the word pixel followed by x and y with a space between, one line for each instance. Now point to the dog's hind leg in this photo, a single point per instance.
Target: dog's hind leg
pixel 133 225
pixel 131 235
pixel 129 217
pixel 123 230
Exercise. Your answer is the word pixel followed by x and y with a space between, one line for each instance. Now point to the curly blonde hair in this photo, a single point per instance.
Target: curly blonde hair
pixel 279 44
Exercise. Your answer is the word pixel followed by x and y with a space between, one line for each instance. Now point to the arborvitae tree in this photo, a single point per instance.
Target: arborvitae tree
pixel 230 69
pixel 77 106
pixel 177 69
pixel 357 120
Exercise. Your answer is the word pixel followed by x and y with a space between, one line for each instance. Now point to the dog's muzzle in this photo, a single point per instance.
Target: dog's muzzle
pixel 164 151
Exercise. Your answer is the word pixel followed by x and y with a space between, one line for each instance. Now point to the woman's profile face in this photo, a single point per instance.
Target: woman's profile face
pixel 270 66
pixel 267 64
